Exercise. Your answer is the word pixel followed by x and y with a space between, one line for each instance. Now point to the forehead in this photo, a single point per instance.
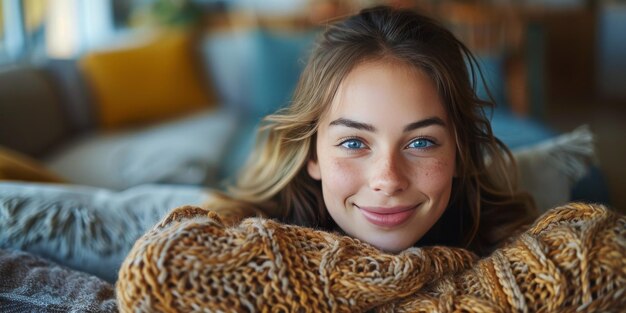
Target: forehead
pixel 381 86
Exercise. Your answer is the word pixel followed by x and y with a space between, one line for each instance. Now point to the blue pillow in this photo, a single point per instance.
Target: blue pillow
pixel 280 58
pixel 492 70
pixel 516 131
pixel 256 71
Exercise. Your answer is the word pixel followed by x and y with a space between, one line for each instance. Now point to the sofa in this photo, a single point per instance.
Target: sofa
pixel 92 154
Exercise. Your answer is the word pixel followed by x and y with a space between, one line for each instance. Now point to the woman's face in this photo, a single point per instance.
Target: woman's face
pixel 385 155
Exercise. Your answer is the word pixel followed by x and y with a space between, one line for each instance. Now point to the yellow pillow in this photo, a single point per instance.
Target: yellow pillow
pixel 17 166
pixel 146 83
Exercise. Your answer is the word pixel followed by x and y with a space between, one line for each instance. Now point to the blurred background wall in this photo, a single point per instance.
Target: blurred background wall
pixel 561 63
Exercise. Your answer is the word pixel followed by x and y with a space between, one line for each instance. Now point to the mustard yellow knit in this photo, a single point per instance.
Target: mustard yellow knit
pixel 573 259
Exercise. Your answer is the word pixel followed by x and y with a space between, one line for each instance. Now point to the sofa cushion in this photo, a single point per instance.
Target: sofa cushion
pixel 32 119
pixel 187 151
pixel 77 101
pixel 17 166
pixel 83 228
pixel 153 81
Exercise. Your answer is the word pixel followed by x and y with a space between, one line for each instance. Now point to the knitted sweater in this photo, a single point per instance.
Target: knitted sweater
pixel 573 258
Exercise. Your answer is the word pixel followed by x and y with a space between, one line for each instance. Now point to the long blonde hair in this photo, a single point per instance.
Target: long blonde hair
pixel 484 206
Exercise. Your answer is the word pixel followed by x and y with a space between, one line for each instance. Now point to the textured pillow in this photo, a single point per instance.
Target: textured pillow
pixel 548 170
pixel 87 229
pixel 187 151
pixel 17 166
pixel 146 83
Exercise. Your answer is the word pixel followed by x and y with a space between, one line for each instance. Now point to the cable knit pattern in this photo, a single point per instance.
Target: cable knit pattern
pixel 572 259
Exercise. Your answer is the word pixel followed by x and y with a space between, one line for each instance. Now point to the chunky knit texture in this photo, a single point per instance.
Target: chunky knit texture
pixel 573 258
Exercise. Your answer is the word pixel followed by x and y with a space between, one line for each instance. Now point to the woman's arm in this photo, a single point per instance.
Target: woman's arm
pixel 192 262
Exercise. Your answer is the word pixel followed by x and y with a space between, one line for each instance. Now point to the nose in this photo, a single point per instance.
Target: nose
pixel 387 176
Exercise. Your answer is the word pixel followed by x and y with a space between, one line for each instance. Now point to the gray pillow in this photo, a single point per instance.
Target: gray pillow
pixel 84 228
pixel 548 170
pixel 187 151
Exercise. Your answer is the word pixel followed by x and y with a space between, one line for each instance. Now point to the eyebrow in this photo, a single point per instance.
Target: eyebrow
pixel 424 123
pixel 353 124
pixel 368 127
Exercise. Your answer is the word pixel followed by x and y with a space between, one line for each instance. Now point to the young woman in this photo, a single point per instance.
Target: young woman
pixel 370 78
pixel 386 142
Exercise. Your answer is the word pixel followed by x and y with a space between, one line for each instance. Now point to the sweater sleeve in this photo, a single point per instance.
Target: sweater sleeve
pixel 572 259
pixel 191 261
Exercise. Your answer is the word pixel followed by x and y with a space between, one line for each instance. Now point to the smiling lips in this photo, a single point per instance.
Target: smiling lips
pixel 387 217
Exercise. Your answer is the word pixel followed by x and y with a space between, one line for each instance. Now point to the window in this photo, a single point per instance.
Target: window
pixel 34 12
pixel 1 23
pixel 21 30
pixel 76 26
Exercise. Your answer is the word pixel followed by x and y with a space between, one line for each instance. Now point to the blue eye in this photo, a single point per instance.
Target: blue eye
pixel 421 143
pixel 353 144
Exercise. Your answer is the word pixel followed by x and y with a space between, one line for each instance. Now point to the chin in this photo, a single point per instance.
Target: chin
pixel 392 246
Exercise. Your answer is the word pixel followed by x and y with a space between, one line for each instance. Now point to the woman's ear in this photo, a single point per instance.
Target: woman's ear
pixel 313 167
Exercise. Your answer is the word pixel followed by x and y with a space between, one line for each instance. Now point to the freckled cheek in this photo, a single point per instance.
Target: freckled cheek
pixel 341 176
pixel 434 177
